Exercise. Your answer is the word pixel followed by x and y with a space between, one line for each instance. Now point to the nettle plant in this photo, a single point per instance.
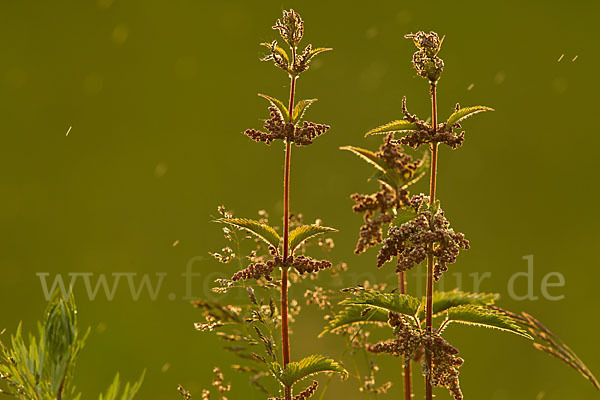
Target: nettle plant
pixel 42 367
pixel 258 328
pixel 418 232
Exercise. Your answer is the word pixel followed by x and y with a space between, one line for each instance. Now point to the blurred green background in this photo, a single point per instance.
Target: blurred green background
pixel 157 94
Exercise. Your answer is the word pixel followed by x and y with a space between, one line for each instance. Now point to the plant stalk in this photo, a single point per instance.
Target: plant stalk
pixel 407 374
pixel 285 338
pixel 430 260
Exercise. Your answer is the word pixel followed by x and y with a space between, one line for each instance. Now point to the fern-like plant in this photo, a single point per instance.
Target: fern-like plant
pixel 418 232
pixel 277 258
pixel 41 367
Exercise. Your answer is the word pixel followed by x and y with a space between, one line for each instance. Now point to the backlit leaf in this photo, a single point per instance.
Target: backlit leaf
pixel 305 232
pixel 394 126
pixel 279 104
pixel 465 113
pixel 262 231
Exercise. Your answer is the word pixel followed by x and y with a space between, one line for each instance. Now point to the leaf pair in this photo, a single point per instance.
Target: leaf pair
pixel 269 235
pixel 459 307
pixel 403 126
pixel 298 111
pixel 311 365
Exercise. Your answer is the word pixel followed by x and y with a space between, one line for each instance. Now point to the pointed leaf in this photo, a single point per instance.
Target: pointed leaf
pixel 421 170
pixel 315 51
pixel 465 113
pixel 485 317
pixel 279 50
pixel 442 301
pixel 394 126
pixel 305 232
pixel 445 300
pixel 262 231
pixel 296 371
pixel 279 104
pixel 368 156
pixel 354 315
pixel 395 302
pixel 301 108
pixel 403 215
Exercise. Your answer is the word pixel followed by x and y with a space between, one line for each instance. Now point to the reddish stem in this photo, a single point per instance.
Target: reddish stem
pixel 285 338
pixel 407 370
pixel 430 260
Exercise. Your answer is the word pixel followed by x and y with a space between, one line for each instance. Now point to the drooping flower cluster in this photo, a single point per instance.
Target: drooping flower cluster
pixel 428 232
pixel 445 364
pixel 409 343
pixel 307 265
pixel 278 128
pixel 378 208
pixel 302 264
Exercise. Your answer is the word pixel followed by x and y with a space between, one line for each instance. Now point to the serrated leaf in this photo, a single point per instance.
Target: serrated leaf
pixel 421 170
pixel 394 126
pixel 305 232
pixel 279 50
pixel 301 108
pixel 262 231
pixel 354 315
pixel 368 156
pixel 279 104
pixel 485 317
pixel 395 302
pixel 311 365
pixel 315 51
pixel 442 301
pixel 445 300
pixel 465 113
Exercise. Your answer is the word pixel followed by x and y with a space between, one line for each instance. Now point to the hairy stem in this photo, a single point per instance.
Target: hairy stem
pixel 407 374
pixel 430 261
pixel 285 338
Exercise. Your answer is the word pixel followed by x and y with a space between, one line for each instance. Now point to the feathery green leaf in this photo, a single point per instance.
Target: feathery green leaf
pixel 548 342
pixel 129 391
